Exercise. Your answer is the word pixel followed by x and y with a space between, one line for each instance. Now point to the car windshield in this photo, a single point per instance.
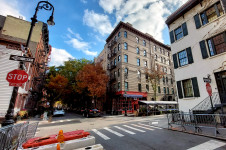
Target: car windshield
pixel 58 109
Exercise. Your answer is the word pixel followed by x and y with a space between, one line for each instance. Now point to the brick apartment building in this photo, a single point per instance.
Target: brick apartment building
pixel 13 35
pixel 126 55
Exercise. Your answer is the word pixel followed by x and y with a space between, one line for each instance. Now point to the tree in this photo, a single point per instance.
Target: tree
pixel 154 76
pixel 57 88
pixel 92 78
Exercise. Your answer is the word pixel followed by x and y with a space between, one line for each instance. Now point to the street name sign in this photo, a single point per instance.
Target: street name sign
pixel 21 58
pixel 17 77
pixel 209 89
pixel 207 80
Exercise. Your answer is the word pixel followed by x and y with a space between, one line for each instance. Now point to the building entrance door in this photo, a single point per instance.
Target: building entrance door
pixel 221 85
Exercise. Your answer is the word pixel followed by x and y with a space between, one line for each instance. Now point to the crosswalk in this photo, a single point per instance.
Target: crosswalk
pixel 124 129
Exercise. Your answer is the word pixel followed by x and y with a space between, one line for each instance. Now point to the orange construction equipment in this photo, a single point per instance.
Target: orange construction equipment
pixel 40 141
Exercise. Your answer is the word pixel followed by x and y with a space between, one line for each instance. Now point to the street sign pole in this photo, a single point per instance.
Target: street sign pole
pixel 209 91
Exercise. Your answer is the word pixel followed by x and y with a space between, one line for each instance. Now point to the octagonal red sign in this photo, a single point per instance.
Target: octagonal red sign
pixel 17 77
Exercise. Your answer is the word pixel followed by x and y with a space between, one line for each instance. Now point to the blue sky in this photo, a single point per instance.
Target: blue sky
pixel 83 25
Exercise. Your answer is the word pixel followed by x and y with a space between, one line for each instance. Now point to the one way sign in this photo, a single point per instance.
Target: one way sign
pixel 21 58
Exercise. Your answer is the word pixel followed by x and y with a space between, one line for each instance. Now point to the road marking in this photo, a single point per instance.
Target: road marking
pixel 53 122
pixel 130 132
pixel 61 121
pixel 154 122
pixel 101 134
pixel 149 126
pixel 68 120
pixel 134 128
pixel 114 132
pixel 142 127
pixel 209 145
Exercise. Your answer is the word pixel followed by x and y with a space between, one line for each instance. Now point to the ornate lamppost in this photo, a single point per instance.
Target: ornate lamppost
pixel 41 5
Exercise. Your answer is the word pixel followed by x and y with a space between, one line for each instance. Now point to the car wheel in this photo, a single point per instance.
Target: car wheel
pixel 83 114
pixel 87 115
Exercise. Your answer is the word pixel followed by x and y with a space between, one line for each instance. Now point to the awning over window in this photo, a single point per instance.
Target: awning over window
pixel 158 102
pixel 133 96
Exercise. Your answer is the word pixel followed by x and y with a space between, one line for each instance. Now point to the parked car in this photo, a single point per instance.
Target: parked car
pixel 58 111
pixel 93 112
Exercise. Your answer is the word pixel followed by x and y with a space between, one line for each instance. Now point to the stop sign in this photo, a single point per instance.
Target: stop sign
pixel 17 77
pixel 209 89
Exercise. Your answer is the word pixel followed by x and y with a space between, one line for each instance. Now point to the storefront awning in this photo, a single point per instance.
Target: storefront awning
pixel 158 102
pixel 133 96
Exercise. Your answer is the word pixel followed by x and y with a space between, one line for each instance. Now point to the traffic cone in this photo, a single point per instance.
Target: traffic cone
pixel 58 147
pixel 60 137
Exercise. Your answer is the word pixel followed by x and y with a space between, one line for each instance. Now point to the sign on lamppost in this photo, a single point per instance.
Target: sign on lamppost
pixel 21 58
pixel 209 91
pixel 17 77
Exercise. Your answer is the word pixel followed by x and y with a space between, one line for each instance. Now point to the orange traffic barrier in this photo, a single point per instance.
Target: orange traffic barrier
pixel 58 146
pixel 60 137
pixel 40 141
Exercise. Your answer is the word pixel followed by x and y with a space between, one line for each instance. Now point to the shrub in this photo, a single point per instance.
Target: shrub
pixel 23 114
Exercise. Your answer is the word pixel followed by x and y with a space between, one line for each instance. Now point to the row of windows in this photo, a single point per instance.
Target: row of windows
pixel 162 60
pixel 126 48
pixel 162 51
pixel 139 87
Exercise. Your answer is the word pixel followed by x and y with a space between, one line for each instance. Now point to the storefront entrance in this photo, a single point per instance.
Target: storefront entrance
pixel 221 85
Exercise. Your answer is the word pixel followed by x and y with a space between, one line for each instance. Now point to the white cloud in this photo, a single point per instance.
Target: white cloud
pixel 10 8
pixel 83 1
pixel 99 22
pixel 147 16
pixel 58 56
pixel 78 44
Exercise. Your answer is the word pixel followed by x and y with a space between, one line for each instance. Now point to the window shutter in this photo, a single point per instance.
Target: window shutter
pixel 197 21
pixel 203 49
pixel 179 89
pixel 223 2
pixel 190 57
pixel 217 11
pixel 195 87
pixel 172 37
pixel 175 61
pixel 185 30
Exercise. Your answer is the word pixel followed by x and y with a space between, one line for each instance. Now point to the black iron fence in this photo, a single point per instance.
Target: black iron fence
pixel 13 136
pixel 197 121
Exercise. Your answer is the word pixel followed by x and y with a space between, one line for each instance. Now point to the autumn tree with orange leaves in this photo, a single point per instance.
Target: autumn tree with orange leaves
pixel 154 76
pixel 92 78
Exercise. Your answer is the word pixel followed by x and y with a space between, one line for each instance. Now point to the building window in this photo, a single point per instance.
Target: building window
pixel 138 74
pixel 171 80
pixel 144 42
pixel 119 86
pixel 119 58
pixel 138 50
pixel 159 89
pixel 126 86
pixel 154 48
pixel 166 79
pixel 115 62
pixel 146 76
pixel 163 51
pixel 156 57
pixel 163 79
pixel 217 44
pixel 119 34
pixel 178 33
pixel 119 72
pixel 161 59
pixel 115 73
pixel 126 58
pixel 172 91
pixel 125 46
pixel 187 87
pixel 138 62
pixel 167 90
pixel 139 87
pixel 115 38
pixel 145 64
pixel 137 39
pixel 183 59
pixel 170 71
pixel 145 53
pixel 125 34
pixel 164 89
pixel 126 71
pixel 164 60
pixel 147 88
pixel 212 13
pixel 165 70
pixel 119 46
pixel 156 67
pixel 160 50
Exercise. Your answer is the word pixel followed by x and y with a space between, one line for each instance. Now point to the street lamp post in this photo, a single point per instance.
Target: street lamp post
pixel 41 5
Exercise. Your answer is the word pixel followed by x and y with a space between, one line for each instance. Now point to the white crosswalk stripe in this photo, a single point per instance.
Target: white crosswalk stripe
pixel 142 127
pixel 114 132
pixel 130 132
pixel 101 134
pixel 209 145
pixel 134 128
pixel 149 126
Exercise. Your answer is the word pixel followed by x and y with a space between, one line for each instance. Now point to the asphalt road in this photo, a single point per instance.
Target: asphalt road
pixel 150 138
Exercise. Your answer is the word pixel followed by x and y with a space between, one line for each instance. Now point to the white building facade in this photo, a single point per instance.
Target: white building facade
pixel 198 43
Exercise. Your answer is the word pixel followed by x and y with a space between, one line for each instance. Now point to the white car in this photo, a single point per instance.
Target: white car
pixel 58 112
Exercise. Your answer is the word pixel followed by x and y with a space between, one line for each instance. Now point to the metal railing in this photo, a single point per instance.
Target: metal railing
pixel 197 121
pixel 206 104
pixel 13 136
